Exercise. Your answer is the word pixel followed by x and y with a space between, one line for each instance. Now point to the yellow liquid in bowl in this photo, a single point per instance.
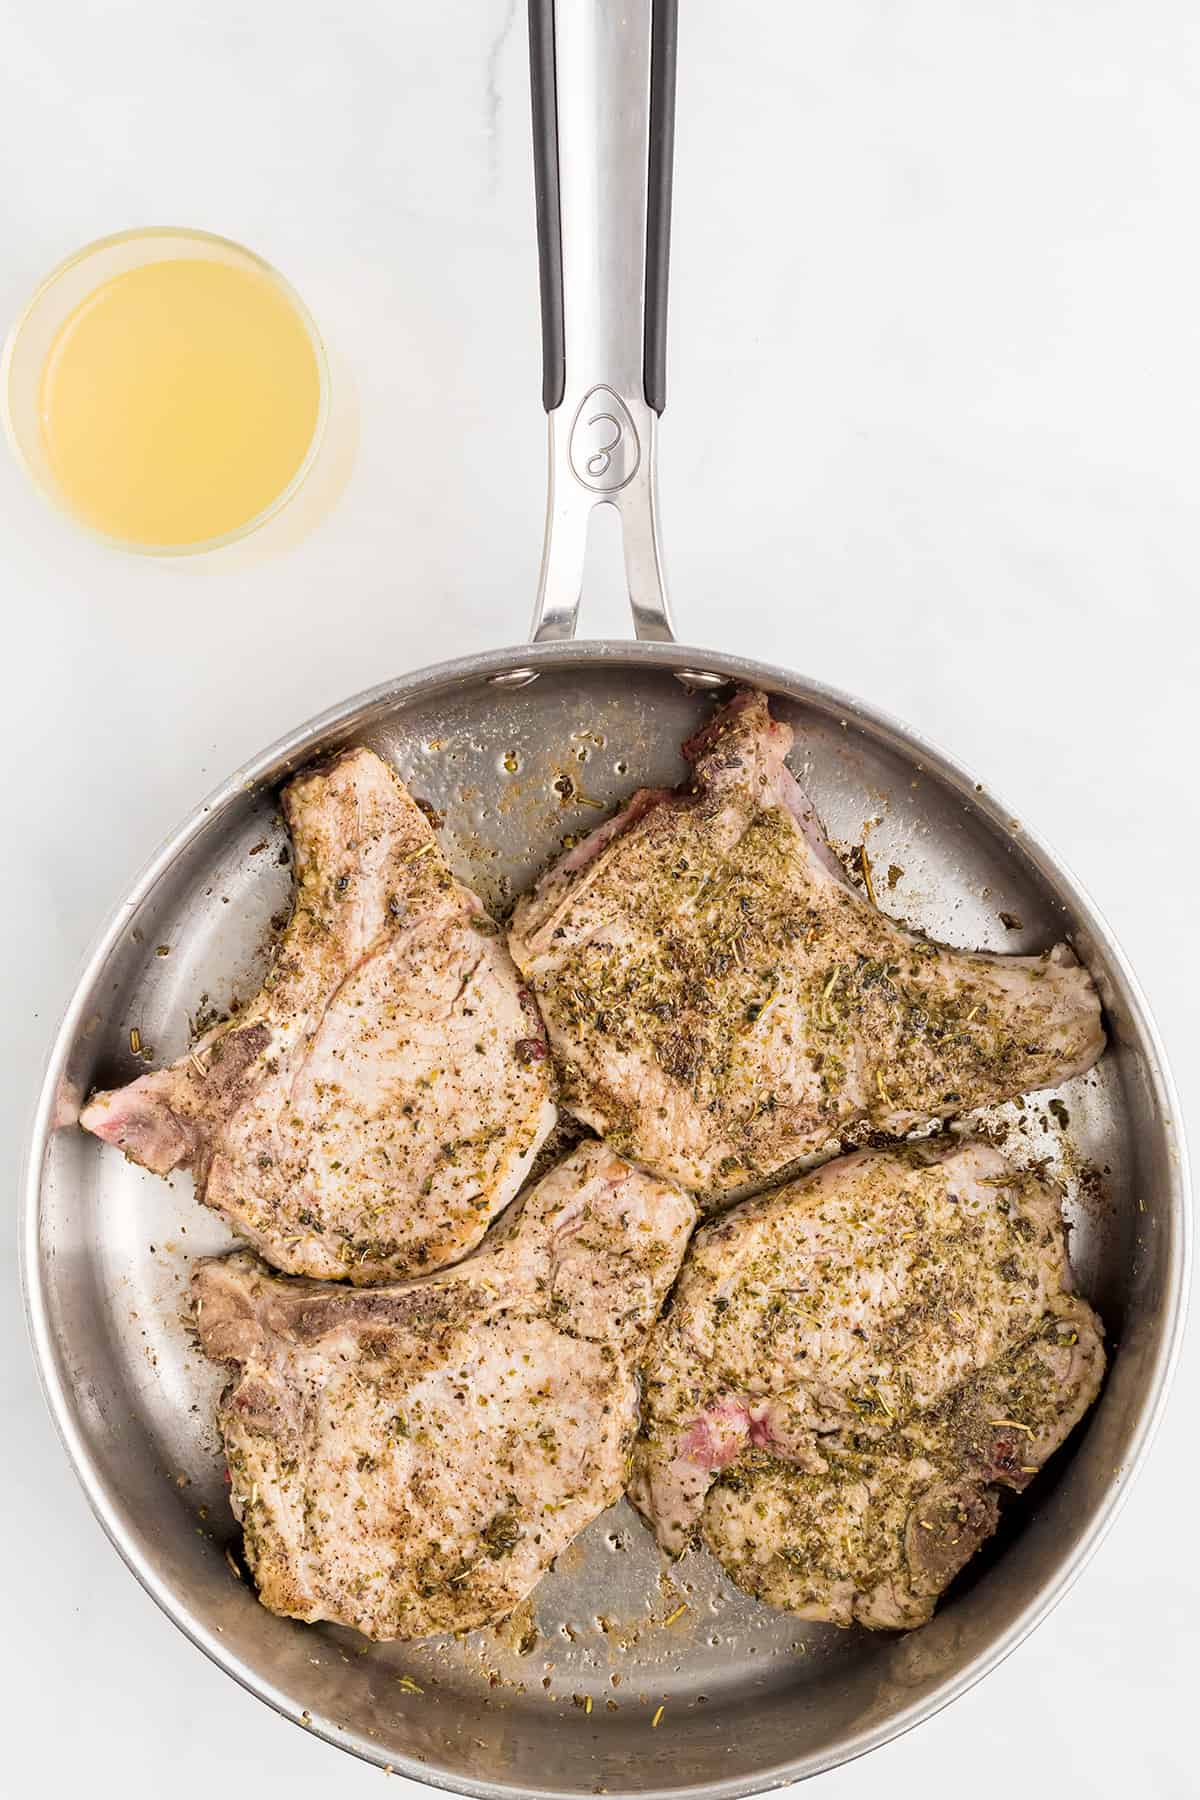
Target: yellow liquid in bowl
pixel 178 401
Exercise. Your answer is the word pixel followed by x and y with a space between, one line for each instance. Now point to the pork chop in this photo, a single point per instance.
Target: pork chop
pixel 880 1342
pixel 410 1459
pixel 876 1533
pixel 721 1001
pixel 383 1096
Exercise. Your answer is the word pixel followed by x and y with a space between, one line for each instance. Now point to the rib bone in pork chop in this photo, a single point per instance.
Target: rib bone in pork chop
pixel 382 1098
pixel 721 1001
pixel 410 1459
pixel 850 1368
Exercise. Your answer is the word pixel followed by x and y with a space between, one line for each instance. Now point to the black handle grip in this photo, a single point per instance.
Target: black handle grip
pixel 658 199
pixel 545 191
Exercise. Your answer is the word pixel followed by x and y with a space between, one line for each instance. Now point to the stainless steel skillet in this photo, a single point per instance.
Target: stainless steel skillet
pixel 518 749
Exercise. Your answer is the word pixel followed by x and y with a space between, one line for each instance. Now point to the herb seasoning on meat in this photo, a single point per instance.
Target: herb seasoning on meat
pixel 721 1000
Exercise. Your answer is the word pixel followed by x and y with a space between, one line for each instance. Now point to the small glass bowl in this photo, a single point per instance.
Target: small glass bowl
pixel 30 340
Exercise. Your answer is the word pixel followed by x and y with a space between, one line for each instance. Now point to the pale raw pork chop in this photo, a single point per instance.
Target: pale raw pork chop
pixel 851 1367
pixel 383 1096
pixel 410 1459
pixel 721 1001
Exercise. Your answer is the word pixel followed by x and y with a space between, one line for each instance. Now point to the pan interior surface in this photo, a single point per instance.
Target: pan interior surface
pixel 565 1698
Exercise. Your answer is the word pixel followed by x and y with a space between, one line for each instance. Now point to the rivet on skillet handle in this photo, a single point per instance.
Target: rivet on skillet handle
pixel 603 84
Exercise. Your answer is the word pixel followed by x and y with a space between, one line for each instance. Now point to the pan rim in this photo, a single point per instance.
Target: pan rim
pixel 294 746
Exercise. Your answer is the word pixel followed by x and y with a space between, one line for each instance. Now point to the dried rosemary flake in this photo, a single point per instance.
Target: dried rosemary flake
pixel 864 862
pixel 658 1715
pixel 766 1006
pixel 677 1614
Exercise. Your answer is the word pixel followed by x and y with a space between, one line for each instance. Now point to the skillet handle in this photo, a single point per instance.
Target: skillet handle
pixel 603 84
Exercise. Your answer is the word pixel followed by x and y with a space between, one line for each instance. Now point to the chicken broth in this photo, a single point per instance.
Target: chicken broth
pixel 178 401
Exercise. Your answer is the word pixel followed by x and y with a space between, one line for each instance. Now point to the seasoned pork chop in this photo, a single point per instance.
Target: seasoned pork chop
pixel 383 1097
pixel 849 1367
pixel 410 1459
pixel 877 1532
pixel 721 1001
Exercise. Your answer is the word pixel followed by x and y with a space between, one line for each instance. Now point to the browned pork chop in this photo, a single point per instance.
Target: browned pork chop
pixel 383 1097
pixel 410 1459
pixel 851 1365
pixel 721 1001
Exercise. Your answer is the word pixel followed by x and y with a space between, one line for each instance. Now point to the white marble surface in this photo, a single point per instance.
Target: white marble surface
pixel 935 390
